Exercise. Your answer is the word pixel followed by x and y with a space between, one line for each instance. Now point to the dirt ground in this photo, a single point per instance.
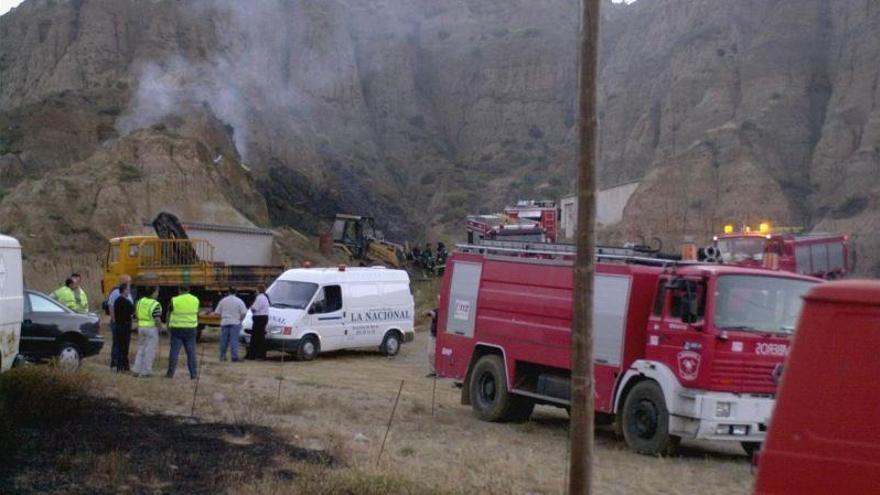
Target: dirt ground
pixel 341 403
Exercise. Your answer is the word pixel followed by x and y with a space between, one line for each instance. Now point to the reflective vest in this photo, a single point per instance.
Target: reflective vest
pixel 80 301
pixel 77 300
pixel 144 312
pixel 184 312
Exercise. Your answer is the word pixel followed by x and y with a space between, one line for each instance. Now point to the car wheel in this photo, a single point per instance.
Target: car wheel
pixel 390 344
pixel 490 399
pixel 646 421
pixel 308 348
pixel 69 357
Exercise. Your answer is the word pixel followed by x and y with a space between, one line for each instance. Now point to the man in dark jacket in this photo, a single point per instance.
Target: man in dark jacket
pixel 123 315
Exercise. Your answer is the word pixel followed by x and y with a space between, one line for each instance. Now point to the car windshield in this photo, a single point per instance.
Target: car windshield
pixel 759 303
pixel 291 294
pixel 741 248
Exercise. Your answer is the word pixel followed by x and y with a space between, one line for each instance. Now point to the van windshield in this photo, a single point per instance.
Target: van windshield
pixel 759 304
pixel 291 294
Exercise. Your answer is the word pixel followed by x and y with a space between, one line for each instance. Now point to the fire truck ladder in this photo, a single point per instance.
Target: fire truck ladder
pixel 625 254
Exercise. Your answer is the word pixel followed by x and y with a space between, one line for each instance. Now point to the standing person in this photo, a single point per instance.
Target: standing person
pixel 183 322
pixel 123 313
pixel 64 294
pixel 111 301
pixel 260 316
pixel 432 343
pixel 149 317
pixel 231 310
pixel 80 298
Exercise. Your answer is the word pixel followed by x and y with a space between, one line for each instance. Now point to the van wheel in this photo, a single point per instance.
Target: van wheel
pixel 750 447
pixel 69 358
pixel 390 344
pixel 490 399
pixel 308 348
pixel 645 421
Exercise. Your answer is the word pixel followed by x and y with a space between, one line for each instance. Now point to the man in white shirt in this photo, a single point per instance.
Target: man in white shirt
pixel 260 314
pixel 231 310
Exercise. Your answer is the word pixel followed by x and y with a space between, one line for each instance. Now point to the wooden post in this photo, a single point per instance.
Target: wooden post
pixel 581 429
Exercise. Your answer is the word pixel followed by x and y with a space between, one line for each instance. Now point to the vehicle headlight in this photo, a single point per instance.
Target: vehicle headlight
pixel 739 430
pixel 722 409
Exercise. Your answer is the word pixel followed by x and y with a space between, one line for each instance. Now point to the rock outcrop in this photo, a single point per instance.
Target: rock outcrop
pixel 420 112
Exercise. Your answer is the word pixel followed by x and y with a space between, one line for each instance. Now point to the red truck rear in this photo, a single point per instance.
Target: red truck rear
pixel 825 437
pixel 680 351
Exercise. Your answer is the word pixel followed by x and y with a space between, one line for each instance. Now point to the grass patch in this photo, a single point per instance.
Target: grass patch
pixel 59 438
pixel 129 172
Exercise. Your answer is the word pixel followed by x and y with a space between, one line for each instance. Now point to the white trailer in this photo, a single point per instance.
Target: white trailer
pixel 11 300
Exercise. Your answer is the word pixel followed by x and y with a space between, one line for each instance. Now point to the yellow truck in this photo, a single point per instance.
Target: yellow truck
pixel 208 265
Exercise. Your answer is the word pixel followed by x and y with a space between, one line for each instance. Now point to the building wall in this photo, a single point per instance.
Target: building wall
pixel 609 207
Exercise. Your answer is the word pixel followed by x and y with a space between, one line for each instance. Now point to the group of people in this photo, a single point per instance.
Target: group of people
pixel 182 326
pixel 427 258
pixel 127 311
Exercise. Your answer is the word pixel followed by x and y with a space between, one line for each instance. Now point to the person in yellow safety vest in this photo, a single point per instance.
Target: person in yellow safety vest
pixel 183 322
pixel 79 295
pixel 72 296
pixel 148 313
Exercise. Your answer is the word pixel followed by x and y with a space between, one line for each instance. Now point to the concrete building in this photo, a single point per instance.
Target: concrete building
pixel 610 203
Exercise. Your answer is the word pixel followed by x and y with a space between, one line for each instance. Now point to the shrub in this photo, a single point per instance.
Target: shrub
pixel 36 395
pixel 129 172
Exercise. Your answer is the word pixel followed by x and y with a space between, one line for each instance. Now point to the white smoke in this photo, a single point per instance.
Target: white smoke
pixel 247 71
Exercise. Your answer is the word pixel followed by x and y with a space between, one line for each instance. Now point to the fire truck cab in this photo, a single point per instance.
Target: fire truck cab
pixel 680 350
pixel 819 255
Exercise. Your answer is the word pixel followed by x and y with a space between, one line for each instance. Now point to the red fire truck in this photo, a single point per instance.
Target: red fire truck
pixel 681 350
pixel 543 212
pixel 503 227
pixel 819 255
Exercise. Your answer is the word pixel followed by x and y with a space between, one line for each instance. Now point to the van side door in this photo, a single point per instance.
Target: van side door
pixel 327 317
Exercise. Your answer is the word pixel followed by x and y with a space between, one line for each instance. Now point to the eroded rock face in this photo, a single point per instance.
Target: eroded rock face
pixel 419 112
pixel 77 208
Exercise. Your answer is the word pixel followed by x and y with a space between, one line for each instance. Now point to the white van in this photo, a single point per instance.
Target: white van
pixel 11 301
pixel 326 309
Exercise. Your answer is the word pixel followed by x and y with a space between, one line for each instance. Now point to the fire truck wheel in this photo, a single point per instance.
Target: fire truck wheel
pixel 646 421
pixel 751 447
pixel 489 396
pixel 308 348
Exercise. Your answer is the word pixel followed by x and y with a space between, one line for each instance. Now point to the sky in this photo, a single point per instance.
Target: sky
pixel 5 5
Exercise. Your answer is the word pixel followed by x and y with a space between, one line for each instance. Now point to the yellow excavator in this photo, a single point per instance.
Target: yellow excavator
pixel 358 238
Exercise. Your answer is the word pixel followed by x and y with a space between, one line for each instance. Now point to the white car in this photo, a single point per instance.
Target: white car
pixel 314 310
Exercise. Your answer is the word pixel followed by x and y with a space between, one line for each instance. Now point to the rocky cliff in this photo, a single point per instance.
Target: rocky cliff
pixel 419 112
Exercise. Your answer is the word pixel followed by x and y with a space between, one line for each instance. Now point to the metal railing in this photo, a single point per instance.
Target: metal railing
pixel 157 253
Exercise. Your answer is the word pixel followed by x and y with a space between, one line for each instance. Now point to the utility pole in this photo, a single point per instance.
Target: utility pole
pixel 581 426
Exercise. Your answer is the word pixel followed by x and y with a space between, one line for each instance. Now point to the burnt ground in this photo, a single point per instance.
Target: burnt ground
pixel 112 448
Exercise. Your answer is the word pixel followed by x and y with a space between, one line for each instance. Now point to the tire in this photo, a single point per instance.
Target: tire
pixel 645 421
pixel 390 344
pixel 750 447
pixel 308 348
pixel 68 357
pixel 490 399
